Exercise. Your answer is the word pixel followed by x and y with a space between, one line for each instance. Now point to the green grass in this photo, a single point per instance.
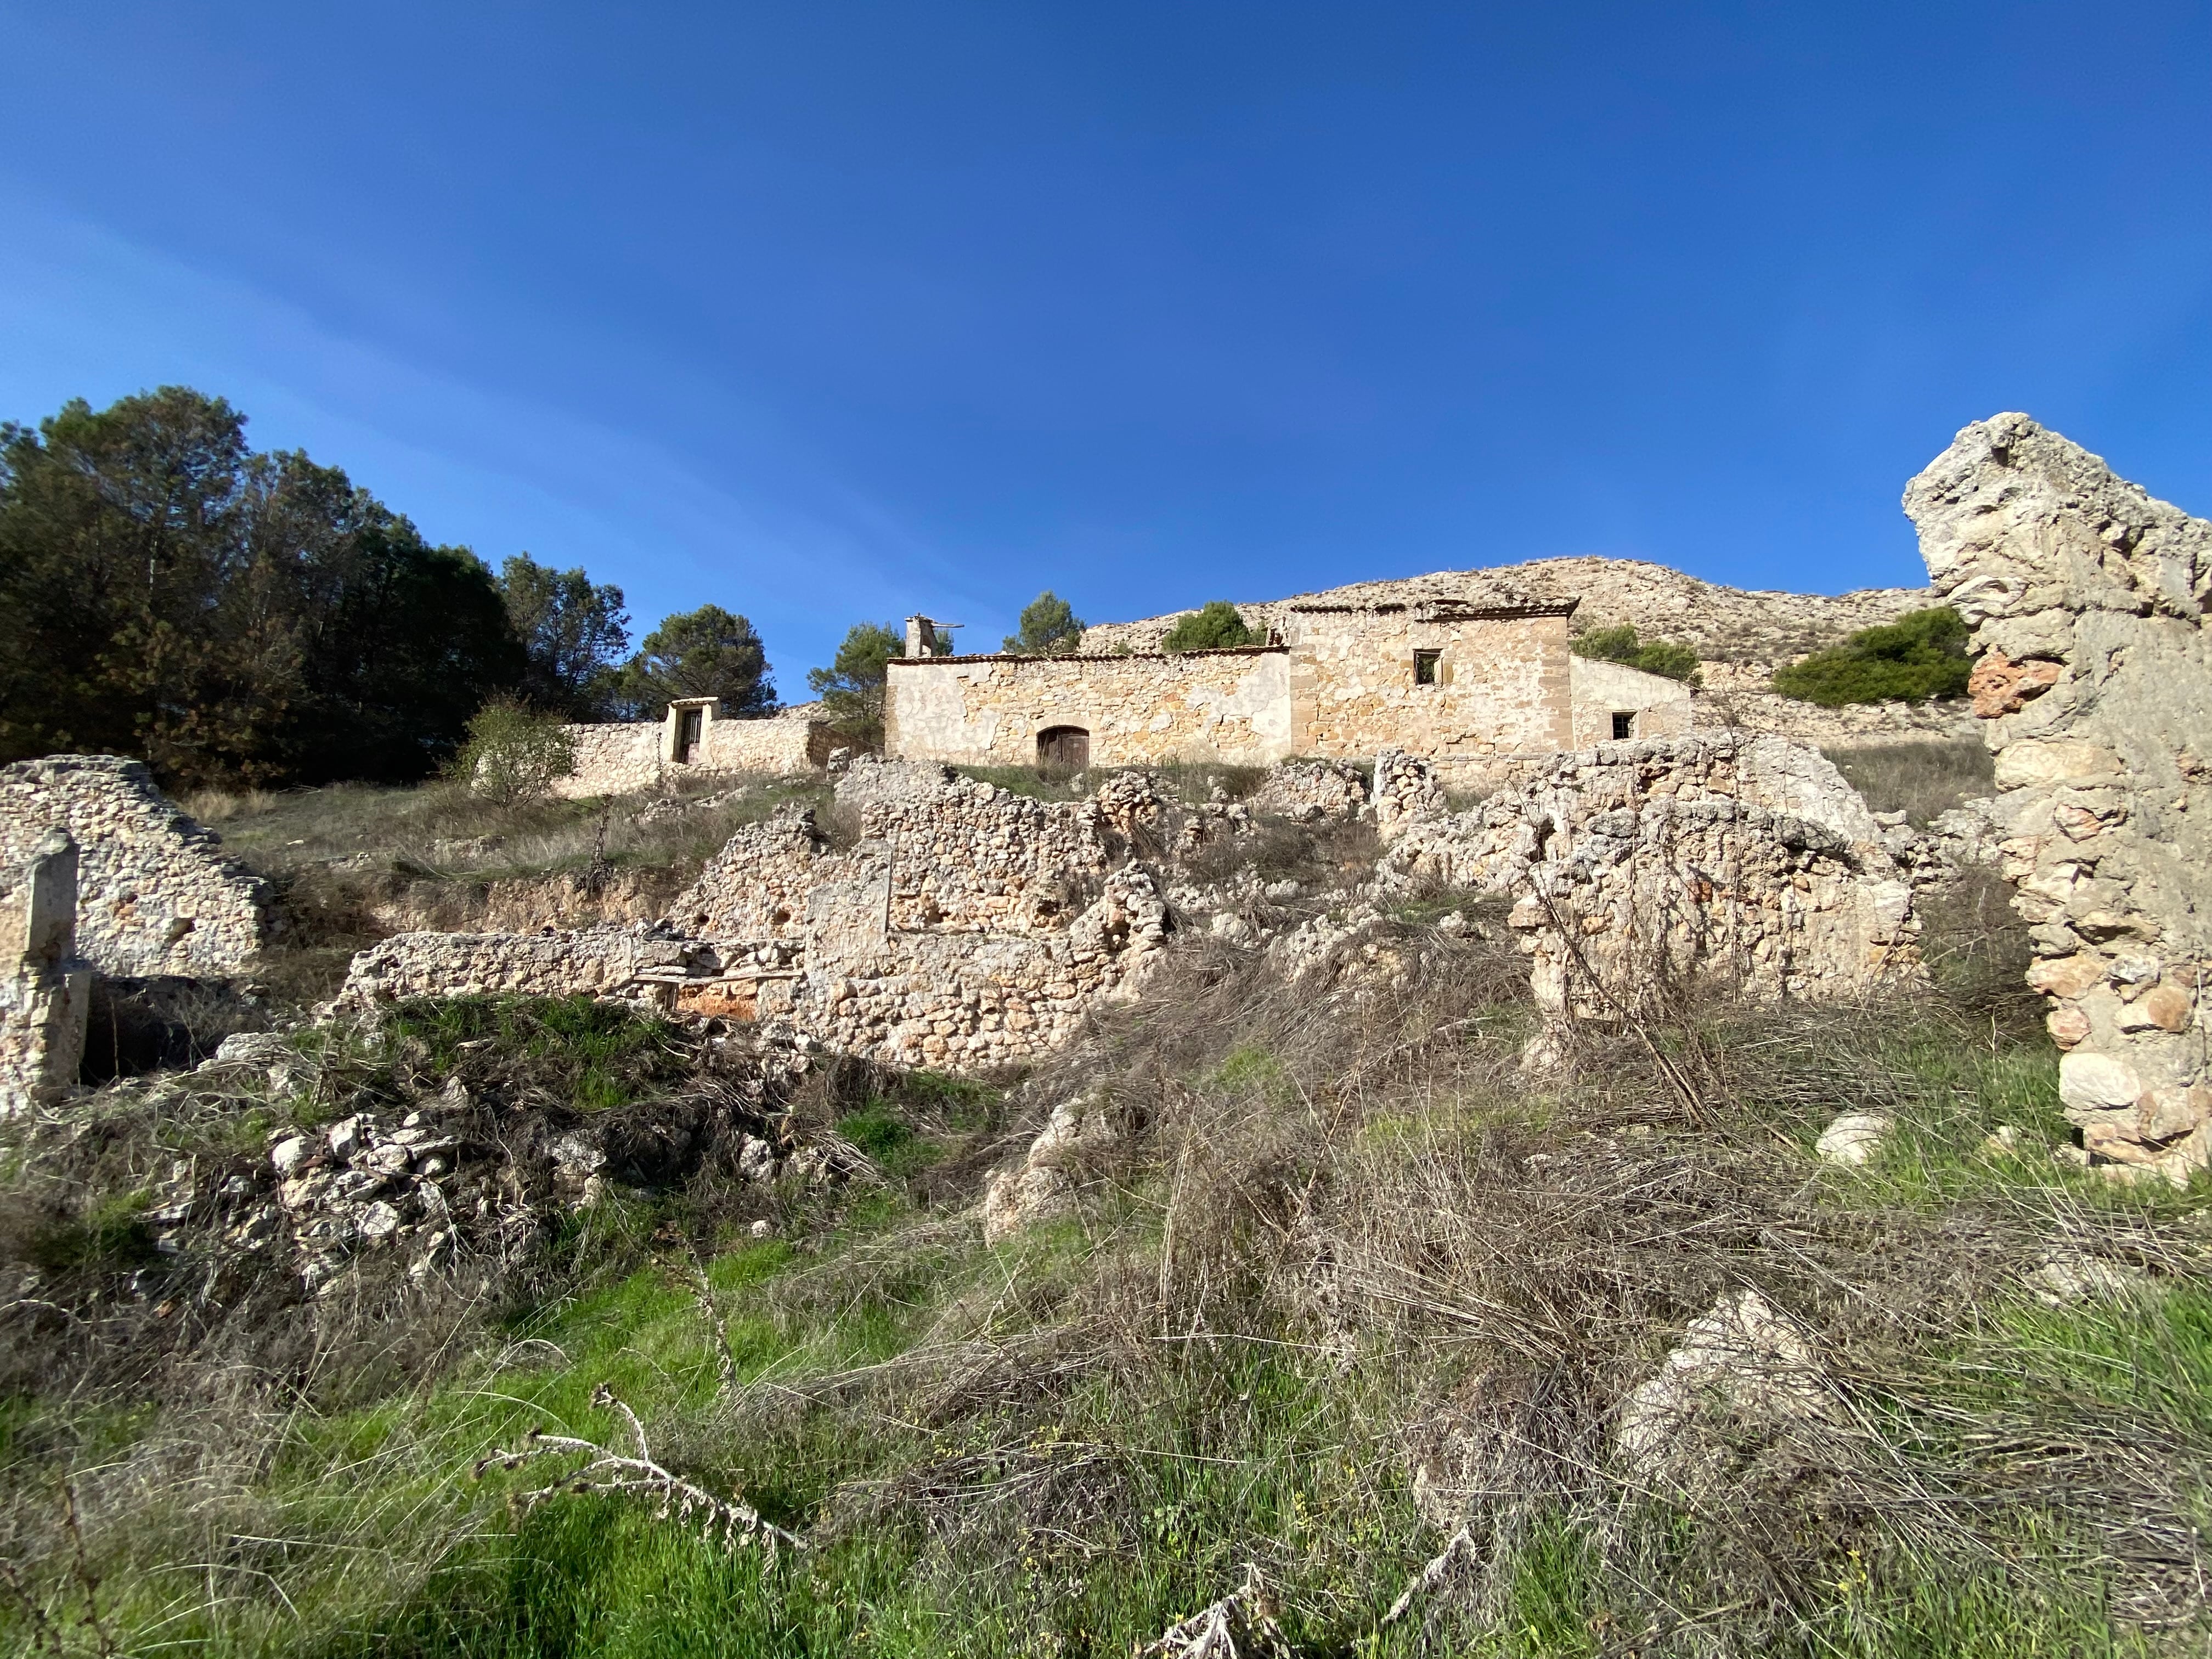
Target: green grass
pixel 1062 1443
pixel 110 1236
pixel 594 1055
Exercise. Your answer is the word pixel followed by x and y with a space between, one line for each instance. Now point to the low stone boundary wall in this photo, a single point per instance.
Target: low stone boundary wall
pixel 600 961
pixel 623 758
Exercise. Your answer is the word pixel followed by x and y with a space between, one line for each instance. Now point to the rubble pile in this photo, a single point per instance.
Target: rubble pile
pixel 963 926
pixel 443 1178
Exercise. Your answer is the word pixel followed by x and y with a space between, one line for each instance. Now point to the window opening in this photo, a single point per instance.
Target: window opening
pixel 1623 726
pixel 1425 666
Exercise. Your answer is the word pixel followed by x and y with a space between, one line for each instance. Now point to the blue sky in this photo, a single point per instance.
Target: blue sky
pixel 829 310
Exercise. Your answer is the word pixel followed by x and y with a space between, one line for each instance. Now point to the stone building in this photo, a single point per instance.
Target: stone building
pixel 1460 685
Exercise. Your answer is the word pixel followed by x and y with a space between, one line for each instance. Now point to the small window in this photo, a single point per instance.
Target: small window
pixel 1425 666
pixel 1623 726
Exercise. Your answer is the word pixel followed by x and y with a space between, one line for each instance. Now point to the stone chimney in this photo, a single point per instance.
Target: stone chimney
pixel 921 637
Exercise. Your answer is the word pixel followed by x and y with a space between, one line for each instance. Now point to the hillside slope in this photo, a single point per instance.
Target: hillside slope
pixel 1725 624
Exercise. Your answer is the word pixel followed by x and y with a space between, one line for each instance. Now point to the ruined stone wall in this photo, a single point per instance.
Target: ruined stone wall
pixel 962 925
pixel 1660 707
pixel 1714 862
pixel 938 854
pixel 156 896
pixel 623 757
pixel 2088 600
pixel 1501 687
pixel 593 960
pixel 1307 791
pixel 1230 705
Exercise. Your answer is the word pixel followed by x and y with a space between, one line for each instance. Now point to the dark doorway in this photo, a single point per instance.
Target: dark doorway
pixel 1623 726
pixel 1064 748
pixel 688 724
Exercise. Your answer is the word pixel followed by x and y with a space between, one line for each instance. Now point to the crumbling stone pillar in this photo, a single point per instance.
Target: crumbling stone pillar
pixel 44 1004
pixel 2088 600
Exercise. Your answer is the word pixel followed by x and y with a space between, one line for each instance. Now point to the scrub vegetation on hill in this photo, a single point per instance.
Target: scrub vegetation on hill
pixel 1621 645
pixel 1922 654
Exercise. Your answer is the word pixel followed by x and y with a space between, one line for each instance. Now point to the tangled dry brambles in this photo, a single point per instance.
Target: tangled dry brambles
pixel 634 1474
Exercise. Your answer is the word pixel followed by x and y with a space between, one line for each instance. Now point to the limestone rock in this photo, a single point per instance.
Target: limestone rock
pixel 1742 1372
pixel 1854 1139
pixel 2087 599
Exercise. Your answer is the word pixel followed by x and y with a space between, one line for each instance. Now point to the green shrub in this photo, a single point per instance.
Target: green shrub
pixel 1216 626
pixel 1922 654
pixel 1048 627
pixel 513 754
pixel 1621 645
pixel 851 687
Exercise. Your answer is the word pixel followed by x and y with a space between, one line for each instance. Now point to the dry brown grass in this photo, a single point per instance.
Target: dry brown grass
pixel 1920 780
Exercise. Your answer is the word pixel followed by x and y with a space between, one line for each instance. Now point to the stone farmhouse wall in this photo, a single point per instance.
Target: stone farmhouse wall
pixel 2088 600
pixel 963 926
pixel 1501 683
pixel 155 895
pixel 1642 869
pixel 1657 706
pixel 1458 685
pixel 1230 706
pixel 623 757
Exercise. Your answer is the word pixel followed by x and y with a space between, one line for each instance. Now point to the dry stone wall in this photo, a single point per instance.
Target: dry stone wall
pixel 963 926
pixel 2088 600
pixel 1308 791
pixel 155 895
pixel 597 961
pixel 1642 869
pixel 1230 706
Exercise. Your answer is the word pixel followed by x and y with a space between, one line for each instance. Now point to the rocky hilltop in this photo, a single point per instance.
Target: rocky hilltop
pixel 1725 624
